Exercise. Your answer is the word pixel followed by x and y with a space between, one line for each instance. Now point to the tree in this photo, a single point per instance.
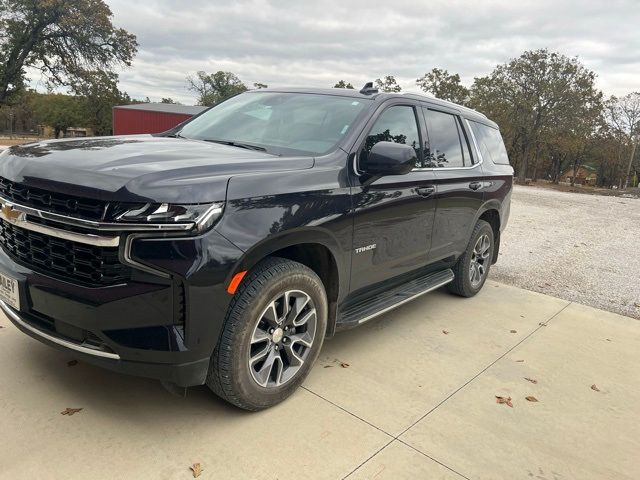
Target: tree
pixel 343 84
pixel 444 85
pixel 623 114
pixel 388 84
pixel 259 85
pixel 169 100
pixel 99 93
pixel 58 111
pixel 535 95
pixel 215 87
pixel 61 38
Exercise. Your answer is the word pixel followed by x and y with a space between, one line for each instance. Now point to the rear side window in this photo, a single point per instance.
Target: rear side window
pixel 446 145
pixel 490 143
pixel 396 124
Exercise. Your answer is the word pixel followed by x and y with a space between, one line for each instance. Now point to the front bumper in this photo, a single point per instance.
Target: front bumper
pixel 185 374
pixel 163 327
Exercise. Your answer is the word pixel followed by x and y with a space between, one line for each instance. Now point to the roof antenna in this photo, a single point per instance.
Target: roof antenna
pixel 368 89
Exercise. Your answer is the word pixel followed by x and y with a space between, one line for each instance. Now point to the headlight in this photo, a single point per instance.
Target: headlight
pixel 202 215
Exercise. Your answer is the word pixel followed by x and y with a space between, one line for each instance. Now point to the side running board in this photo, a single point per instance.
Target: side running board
pixel 366 309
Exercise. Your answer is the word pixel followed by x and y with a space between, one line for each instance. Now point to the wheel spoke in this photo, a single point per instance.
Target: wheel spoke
pixel 258 356
pixel 304 319
pixel 272 361
pixel 300 301
pixel 271 314
pixel 259 335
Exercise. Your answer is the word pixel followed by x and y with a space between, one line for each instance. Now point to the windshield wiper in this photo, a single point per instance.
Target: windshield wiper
pixel 247 146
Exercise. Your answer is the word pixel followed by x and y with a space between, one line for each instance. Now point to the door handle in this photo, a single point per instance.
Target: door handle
pixel 426 191
pixel 475 185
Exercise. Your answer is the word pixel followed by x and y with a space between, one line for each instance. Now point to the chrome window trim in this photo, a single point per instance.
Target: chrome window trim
pixel 59 341
pixel 478 155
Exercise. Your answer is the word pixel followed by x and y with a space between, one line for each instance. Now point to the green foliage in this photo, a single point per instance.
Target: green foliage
pixel 444 86
pixel 169 100
pixel 259 85
pixel 536 98
pixel 215 87
pixel 61 38
pixel 388 84
pixel 343 84
pixel 58 111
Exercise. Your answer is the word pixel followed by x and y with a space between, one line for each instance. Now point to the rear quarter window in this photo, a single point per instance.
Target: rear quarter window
pixel 490 143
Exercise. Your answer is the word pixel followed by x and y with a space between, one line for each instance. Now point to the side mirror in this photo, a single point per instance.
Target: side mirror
pixel 389 158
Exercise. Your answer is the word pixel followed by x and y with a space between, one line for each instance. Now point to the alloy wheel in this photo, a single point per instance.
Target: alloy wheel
pixel 480 260
pixel 282 338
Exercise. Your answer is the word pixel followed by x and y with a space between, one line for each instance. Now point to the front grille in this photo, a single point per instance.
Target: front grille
pixel 71 261
pixel 53 202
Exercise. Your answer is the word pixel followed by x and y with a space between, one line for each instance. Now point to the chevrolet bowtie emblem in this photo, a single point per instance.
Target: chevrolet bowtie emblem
pixel 9 214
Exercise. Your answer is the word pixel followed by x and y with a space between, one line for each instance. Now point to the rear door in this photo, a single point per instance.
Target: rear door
pixel 459 180
pixel 393 216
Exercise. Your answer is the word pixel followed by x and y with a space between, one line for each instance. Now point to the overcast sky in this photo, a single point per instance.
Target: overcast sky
pixel 316 43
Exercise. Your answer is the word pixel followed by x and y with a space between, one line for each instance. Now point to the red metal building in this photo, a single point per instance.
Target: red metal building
pixel 150 117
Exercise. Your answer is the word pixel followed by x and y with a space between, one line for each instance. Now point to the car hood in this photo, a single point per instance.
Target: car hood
pixel 138 168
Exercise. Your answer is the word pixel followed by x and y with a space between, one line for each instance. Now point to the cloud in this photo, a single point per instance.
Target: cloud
pixel 318 43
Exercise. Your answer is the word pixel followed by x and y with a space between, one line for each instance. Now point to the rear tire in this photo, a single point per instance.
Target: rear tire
pixel 271 337
pixel 472 268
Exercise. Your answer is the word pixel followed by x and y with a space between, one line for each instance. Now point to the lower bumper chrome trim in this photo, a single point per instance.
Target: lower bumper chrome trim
pixel 10 312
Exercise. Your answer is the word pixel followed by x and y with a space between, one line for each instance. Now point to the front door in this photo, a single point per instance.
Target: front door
pixel 393 216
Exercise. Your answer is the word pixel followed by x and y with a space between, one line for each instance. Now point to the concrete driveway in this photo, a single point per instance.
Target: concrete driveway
pixel 412 402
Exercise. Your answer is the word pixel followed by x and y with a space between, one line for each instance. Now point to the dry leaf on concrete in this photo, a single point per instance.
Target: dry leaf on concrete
pixel 344 365
pixel 328 366
pixel 504 400
pixel 531 399
pixel 445 332
pixel 594 388
pixel 532 380
pixel 196 470
pixel 514 331
pixel 542 324
pixel 70 411
pixel 519 361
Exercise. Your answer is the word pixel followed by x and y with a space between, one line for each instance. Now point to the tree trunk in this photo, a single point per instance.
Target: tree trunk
pixel 633 154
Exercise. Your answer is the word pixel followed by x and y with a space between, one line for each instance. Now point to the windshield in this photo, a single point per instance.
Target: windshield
pixel 278 123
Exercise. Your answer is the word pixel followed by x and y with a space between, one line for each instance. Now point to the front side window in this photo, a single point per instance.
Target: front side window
pixel 445 141
pixel 279 123
pixel 396 124
pixel 490 143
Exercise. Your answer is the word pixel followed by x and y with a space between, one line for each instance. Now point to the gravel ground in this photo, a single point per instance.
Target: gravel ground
pixel 583 248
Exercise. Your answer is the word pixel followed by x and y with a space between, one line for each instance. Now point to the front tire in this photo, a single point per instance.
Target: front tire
pixel 271 337
pixel 472 268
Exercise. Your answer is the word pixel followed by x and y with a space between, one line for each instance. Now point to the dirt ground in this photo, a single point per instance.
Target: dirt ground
pixel 583 248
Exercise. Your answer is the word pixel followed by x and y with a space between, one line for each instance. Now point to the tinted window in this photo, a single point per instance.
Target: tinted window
pixel 444 140
pixel 490 143
pixel 281 123
pixel 396 124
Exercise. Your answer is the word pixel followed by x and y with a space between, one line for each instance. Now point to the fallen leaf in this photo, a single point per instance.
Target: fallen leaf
pixel 196 469
pixel 542 324
pixel 328 366
pixel 519 361
pixel 72 363
pixel 531 380
pixel 344 365
pixel 505 400
pixel 594 388
pixel 70 411
pixel 531 399
pixel 608 339
pixel 445 332
pixel 514 331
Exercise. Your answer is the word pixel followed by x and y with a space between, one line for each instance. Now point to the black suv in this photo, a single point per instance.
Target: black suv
pixel 227 249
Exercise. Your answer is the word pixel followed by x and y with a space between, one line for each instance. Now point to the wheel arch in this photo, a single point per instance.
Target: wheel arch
pixel 314 248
